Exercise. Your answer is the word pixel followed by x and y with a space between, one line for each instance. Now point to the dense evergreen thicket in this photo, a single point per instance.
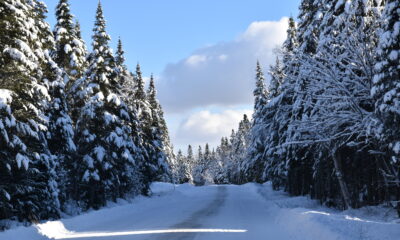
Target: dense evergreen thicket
pixel 77 129
pixel 328 124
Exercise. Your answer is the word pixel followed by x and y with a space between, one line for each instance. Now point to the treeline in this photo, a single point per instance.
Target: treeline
pixel 215 166
pixel 77 128
pixel 328 124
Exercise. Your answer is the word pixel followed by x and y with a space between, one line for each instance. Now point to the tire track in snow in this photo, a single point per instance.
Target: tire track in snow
pixel 195 220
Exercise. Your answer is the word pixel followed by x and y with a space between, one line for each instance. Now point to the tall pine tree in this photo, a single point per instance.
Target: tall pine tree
pixel 107 150
pixel 29 190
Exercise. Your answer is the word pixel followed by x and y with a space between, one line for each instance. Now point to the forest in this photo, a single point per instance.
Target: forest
pixel 327 125
pixel 79 129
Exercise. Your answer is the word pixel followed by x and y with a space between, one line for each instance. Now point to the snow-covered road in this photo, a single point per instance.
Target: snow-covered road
pixel 249 211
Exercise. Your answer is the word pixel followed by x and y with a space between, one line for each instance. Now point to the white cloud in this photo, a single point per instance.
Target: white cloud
pixel 208 127
pixel 221 74
pixel 194 60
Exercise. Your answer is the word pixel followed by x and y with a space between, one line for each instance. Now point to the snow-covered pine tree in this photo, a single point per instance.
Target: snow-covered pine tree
pixel 155 167
pixel 188 167
pixel 272 126
pixel 223 161
pixel 277 150
pixel 140 94
pixel 255 163
pixel 102 133
pixel 204 171
pixel 238 148
pixel 386 92
pixel 198 168
pixel 28 184
pixel 70 53
pixel 127 82
pixel 160 138
pixel 60 135
pixel 178 170
pixel 125 78
pixel 299 155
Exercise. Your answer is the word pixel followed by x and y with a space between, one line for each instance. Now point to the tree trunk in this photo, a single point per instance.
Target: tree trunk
pixel 339 174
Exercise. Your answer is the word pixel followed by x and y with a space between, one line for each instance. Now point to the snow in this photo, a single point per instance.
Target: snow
pixel 110 118
pixel 5 97
pixel 100 153
pixel 7 195
pixel 61 30
pixel 22 160
pixel 348 6
pixel 116 139
pixel 396 148
pixel 249 211
pixel 98 97
pixel 67 48
pixel 89 161
pixel 114 99
pixel 394 55
pixel 19 56
pixel 43 91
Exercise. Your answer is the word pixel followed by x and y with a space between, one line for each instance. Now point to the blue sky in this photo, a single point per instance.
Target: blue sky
pixel 190 46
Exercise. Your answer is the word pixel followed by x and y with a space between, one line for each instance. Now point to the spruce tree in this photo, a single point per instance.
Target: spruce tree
pixel 103 135
pixel 386 87
pixel 277 150
pixel 60 135
pixel 256 160
pixel 239 146
pixel 386 92
pixel 189 164
pixel 198 168
pixel 127 82
pixel 70 53
pixel 160 131
pixel 155 166
pixel 28 183
pixel 299 156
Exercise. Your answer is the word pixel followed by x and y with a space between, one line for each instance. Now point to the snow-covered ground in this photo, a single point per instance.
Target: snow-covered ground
pixel 249 211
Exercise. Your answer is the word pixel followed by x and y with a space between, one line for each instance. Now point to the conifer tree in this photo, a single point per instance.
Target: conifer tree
pixel 386 91
pixel 160 131
pixel 189 164
pixel 198 178
pixel 386 87
pixel 60 135
pixel 127 82
pixel 239 146
pixel 299 155
pixel 70 53
pixel 103 137
pixel 256 162
pixel 277 151
pixel 155 163
pixel 28 183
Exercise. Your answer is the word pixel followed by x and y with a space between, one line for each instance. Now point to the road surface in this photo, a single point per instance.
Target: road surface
pixel 185 212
